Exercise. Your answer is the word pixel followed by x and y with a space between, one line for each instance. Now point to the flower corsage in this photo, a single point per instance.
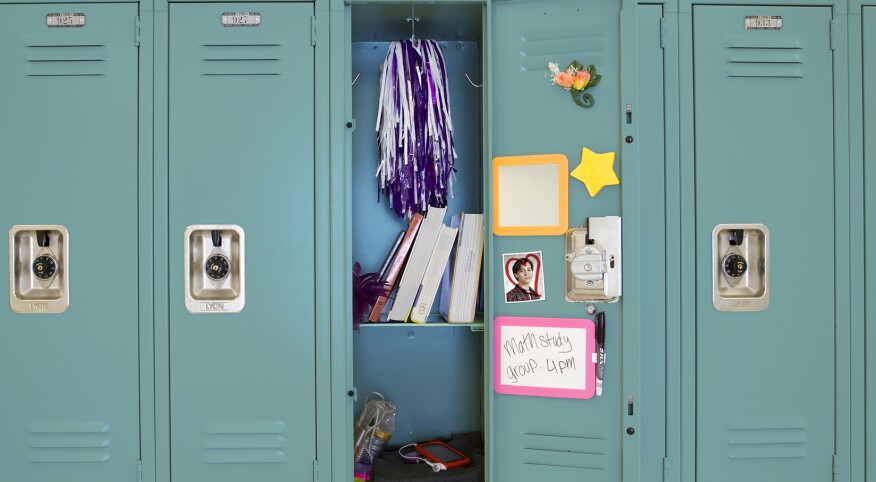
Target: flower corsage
pixel 576 79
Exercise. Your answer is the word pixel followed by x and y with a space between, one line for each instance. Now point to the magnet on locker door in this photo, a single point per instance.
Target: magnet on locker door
pixel 214 268
pixel 39 269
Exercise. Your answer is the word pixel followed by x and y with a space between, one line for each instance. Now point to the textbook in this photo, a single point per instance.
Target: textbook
pixel 384 268
pixel 462 297
pixel 421 252
pixel 446 279
pixel 390 273
pixel 432 277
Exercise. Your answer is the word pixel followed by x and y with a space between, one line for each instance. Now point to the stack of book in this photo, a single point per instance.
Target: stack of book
pixel 418 262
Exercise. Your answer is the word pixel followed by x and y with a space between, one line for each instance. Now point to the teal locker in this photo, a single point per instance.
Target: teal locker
pixel 241 155
pixel 869 60
pixel 541 438
pixel 650 298
pixel 764 154
pixel 69 140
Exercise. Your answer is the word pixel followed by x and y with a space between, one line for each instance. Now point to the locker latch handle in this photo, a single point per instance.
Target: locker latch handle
pixel 43 238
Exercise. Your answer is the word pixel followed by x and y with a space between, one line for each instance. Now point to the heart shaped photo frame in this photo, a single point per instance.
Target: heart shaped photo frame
pixel 529 285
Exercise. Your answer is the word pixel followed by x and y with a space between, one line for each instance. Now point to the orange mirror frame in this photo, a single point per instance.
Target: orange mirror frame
pixel 531 195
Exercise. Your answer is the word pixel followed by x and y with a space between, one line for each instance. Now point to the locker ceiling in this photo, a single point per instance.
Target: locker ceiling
pixel 386 22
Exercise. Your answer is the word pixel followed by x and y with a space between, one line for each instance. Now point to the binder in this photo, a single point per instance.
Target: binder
pixel 432 278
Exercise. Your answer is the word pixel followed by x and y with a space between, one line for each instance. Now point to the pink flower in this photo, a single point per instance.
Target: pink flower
pixel 581 80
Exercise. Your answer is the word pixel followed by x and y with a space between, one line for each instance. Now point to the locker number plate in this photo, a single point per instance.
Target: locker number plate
pixel 763 23
pixel 241 19
pixel 59 20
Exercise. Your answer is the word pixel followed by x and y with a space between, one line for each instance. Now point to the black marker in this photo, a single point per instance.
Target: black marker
pixel 600 351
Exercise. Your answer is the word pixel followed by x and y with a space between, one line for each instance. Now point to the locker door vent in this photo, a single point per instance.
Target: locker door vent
pixel 69 442
pixel 241 59
pixel 245 443
pixel 564 451
pixel 768 439
pixel 782 58
pixel 537 49
pixel 54 56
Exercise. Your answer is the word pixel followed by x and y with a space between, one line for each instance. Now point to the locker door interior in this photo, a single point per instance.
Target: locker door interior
pixel 764 156
pixel 68 190
pixel 869 58
pixel 241 201
pixel 544 438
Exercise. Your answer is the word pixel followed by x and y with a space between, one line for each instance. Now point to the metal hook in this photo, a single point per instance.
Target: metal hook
pixel 472 83
pixel 413 19
pixel 356 79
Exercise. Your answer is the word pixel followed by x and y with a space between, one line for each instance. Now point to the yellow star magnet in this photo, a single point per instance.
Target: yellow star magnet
pixel 596 171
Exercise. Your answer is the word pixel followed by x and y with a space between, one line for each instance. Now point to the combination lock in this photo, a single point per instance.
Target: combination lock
pixel 44 267
pixel 735 265
pixel 217 267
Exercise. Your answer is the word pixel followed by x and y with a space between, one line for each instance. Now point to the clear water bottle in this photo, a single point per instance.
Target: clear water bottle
pixel 374 428
pixel 382 433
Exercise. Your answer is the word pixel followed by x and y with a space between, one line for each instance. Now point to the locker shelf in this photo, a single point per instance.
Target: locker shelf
pixel 477 326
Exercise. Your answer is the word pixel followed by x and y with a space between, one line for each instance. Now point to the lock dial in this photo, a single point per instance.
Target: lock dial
pixel 44 267
pixel 217 267
pixel 735 266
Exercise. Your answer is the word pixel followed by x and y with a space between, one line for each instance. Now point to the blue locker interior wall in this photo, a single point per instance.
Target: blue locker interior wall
pixel 433 374
pixel 536 438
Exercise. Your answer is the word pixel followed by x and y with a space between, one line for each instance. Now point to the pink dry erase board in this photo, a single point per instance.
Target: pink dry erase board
pixel 544 357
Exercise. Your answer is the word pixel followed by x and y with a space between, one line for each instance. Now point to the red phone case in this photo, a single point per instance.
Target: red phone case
pixel 423 449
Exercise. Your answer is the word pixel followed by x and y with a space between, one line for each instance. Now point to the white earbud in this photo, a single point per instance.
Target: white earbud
pixel 436 466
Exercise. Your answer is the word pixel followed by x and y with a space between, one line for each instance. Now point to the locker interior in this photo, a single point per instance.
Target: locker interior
pixel 433 373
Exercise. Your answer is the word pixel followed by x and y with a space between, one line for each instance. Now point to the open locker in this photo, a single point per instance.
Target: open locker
pixel 69 336
pixel 432 372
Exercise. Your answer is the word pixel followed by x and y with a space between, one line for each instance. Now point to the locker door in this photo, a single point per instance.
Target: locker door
pixel 241 152
pixel 764 154
pixel 543 438
pixel 68 151
pixel 869 46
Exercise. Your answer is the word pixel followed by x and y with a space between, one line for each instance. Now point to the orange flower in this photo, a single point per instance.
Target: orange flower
pixel 564 79
pixel 581 80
